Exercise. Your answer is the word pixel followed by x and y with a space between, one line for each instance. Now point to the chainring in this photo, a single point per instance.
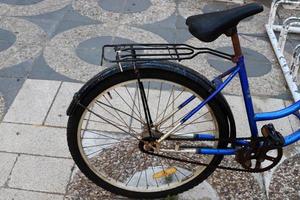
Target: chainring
pixel 258 160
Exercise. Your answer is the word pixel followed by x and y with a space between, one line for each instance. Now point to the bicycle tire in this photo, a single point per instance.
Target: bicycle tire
pixel 166 71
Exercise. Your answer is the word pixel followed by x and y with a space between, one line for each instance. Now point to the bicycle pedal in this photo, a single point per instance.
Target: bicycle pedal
pixel 273 137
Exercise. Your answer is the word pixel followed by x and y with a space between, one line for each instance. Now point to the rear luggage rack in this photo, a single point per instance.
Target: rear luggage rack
pixel 124 53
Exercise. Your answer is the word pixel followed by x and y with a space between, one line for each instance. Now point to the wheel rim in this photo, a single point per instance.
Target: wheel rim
pixel 112 152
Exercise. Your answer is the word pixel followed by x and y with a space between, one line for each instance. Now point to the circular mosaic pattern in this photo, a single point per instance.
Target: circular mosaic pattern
pixel 219 6
pixel 286 183
pixel 271 83
pixel 30 7
pixel 90 50
pixel 256 64
pixel 190 7
pixel 253 24
pixel 22 2
pixel 159 10
pixel 60 52
pixel 29 41
pixel 7 39
pixel 127 6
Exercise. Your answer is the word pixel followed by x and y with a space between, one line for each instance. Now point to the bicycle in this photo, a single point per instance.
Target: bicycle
pixel 148 127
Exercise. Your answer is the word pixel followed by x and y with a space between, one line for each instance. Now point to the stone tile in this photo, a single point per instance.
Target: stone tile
pixel 260 105
pixel 267 105
pixel 57 115
pixel 6 165
pixel 41 70
pixel 202 191
pixel 41 174
pixel 239 112
pixel 72 19
pixel 34 140
pixel 9 40
pixel 271 84
pixel 30 40
pixel 17 71
pixel 9 88
pixel 28 9
pixel 285 180
pixel 2 106
pixel 236 185
pixel 295 122
pixel 158 11
pixel 15 194
pixel 33 102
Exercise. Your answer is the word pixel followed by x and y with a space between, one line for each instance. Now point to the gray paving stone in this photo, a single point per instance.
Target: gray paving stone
pixel 7 39
pixel 2 107
pixel 115 6
pixel 41 70
pixel 295 123
pixel 57 115
pixel 256 63
pixel 267 105
pixel 32 102
pixel 67 24
pixel 91 50
pixel 6 165
pixel 16 194
pixel 34 140
pixel 133 6
pixel 20 2
pixel 41 174
pixel 31 7
pixel 17 71
pixel 9 88
pixel 48 21
pixel 260 105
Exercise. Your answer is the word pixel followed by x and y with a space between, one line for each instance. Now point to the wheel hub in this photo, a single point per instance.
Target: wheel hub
pixel 148 141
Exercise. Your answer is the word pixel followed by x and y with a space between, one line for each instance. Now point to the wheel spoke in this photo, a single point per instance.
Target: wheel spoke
pixel 121 111
pixel 113 131
pixel 103 118
pixel 172 114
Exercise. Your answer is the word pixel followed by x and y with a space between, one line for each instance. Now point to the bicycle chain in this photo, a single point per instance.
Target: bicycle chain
pixel 219 166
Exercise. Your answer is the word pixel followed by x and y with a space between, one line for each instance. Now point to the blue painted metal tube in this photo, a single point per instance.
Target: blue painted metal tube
pixel 197 108
pixel 204 137
pixel 191 98
pixel 290 139
pixel 278 114
pixel 297 114
pixel 247 97
pixel 207 136
pixel 211 151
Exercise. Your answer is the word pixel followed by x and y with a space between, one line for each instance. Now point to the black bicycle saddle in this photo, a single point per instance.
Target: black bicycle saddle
pixel 208 27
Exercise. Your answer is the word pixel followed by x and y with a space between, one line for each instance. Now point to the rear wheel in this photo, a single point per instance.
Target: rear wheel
pixel 106 138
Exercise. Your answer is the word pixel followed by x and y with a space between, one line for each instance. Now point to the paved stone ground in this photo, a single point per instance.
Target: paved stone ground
pixel 48 48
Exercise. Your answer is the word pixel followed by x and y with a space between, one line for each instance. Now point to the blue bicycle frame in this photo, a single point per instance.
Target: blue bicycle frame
pixel 253 117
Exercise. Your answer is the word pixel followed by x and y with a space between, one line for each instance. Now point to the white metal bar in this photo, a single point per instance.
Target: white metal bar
pixel 291 29
pixel 284 66
pixel 290 74
pixel 273 11
pixel 296 62
pixel 291 21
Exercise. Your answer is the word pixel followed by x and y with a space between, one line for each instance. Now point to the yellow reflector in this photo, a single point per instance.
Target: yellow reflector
pixel 164 173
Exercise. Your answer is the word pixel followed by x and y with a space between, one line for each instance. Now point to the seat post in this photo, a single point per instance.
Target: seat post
pixel 236 44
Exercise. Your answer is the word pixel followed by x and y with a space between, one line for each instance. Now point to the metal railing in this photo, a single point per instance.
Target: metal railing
pixel 290 25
